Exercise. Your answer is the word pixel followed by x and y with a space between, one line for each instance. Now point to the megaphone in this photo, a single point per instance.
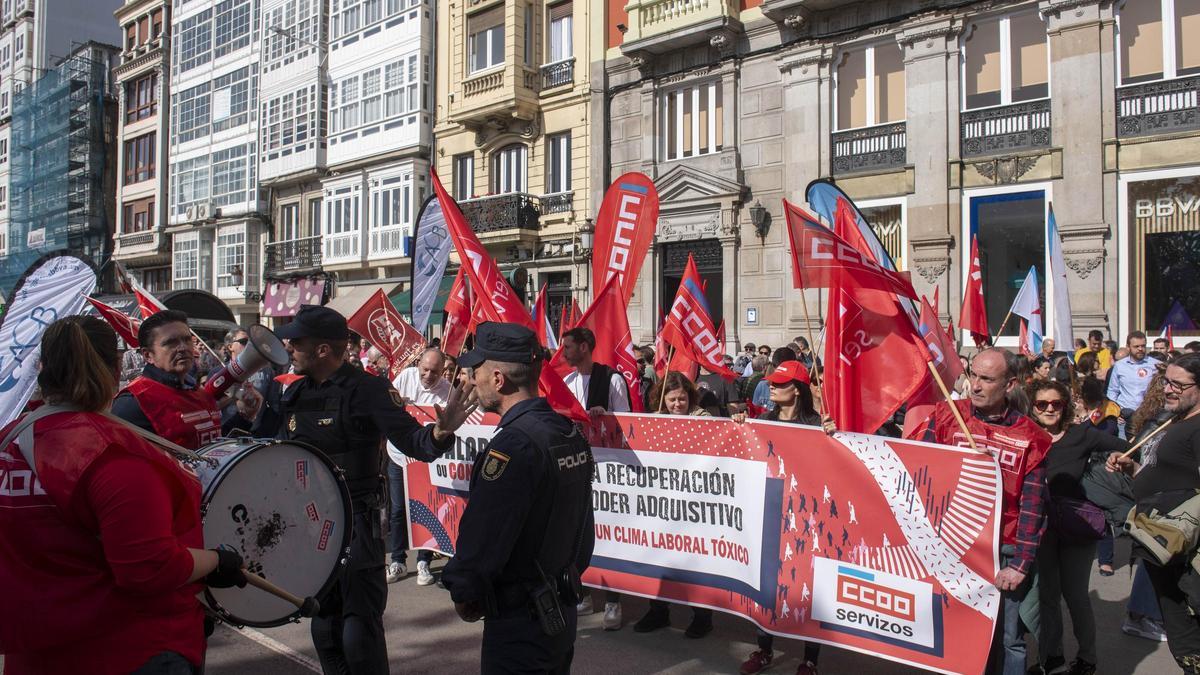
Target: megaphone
pixel 262 348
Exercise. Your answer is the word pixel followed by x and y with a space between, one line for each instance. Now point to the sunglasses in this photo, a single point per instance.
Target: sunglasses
pixel 243 341
pixel 1052 406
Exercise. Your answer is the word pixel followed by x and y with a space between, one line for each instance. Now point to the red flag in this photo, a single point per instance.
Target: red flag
pixel 458 315
pixel 1023 338
pixel 380 324
pixel 608 321
pixel 126 326
pixel 1170 338
pixel 624 227
pixel 820 257
pixel 936 302
pixel 497 301
pixel 973 315
pixel 945 358
pixel 689 327
pixel 541 322
pixel 574 315
pixel 148 305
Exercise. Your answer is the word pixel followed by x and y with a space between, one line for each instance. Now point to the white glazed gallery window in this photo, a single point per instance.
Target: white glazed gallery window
pixel 231 253
pixel 194 39
pixel 509 169
pixel 298 22
pixel 231 100
pixel 1006 60
pixel 342 225
pixel 189 183
pixel 558 163
pixel 391 214
pixel 231 27
pixel 378 94
pixel 691 121
pixel 185 261
pixel 231 179
pixel 485 40
pixel 1158 39
pixel 870 86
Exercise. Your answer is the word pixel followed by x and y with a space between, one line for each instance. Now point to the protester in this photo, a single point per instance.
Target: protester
pixel 743 359
pixel 1131 375
pixel 1192 347
pixel 716 392
pixel 1040 369
pixel 805 354
pixel 758 367
pixel 1094 408
pixel 1162 345
pixel 762 391
pixel 1020 446
pixel 132 363
pixel 1168 476
pixel 675 395
pixel 1048 349
pixel 378 363
pixel 1095 346
pixel 422 384
pixel 1065 554
pixel 235 342
pixel 129 604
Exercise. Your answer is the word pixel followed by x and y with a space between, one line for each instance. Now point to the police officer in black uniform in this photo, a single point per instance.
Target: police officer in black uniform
pixel 526 534
pixel 347 413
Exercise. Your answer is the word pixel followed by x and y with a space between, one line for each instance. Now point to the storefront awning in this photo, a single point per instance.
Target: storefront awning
pixel 284 298
pixel 403 301
pixel 350 298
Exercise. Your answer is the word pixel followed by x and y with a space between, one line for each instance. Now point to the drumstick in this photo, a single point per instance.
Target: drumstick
pixel 1142 442
pixel 307 606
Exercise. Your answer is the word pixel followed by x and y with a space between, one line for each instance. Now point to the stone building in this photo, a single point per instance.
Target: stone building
pixel 944 120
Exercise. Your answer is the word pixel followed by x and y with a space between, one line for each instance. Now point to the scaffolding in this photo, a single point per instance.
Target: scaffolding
pixel 63 158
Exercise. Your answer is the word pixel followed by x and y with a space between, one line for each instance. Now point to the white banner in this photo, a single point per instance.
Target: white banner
pixel 431 252
pixel 51 289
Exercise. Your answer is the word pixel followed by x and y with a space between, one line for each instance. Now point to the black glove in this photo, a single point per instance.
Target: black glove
pixel 229 570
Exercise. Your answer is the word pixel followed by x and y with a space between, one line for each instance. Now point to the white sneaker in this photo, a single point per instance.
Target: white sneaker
pixel 396 571
pixel 1143 627
pixel 612 616
pixel 424 576
pixel 585 605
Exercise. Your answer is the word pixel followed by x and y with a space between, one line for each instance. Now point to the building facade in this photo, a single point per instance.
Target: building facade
pixel 216 208
pixel 944 122
pixel 514 133
pixel 142 78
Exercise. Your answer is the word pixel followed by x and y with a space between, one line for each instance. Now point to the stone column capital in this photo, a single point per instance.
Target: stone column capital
pixel 1066 14
pixel 931 38
pixel 805 65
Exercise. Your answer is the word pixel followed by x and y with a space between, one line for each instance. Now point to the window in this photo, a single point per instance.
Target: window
pixel 231 26
pixel 870 86
pixel 375 95
pixel 528 35
pixel 1164 225
pixel 137 216
pixel 485 40
pixel 1147 51
pixel 561 47
pixel 509 169
pixel 691 121
pixel 130 36
pixel 289 221
pixel 139 159
pixel 192 113
pixel 189 183
pixel 464 176
pixel 299 25
pixel 141 98
pixel 290 120
pixel 343 214
pixel 156 22
pixel 1011 232
pixel 195 41
pixel 558 163
pixel 372 100
pixel 3 150
pixel 231 100
pixel 231 253
pixel 185 260
pixel 392 203
pixel 157 279
pixel 3 198
pixel 314 216
pixel 1005 60
pixel 231 183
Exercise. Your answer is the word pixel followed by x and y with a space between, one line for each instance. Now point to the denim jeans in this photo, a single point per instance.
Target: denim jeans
pixel 1105 548
pixel 1007 656
pixel 397 523
pixel 1142 599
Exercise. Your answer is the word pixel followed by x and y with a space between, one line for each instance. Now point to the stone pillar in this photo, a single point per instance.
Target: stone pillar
pixel 932 103
pixel 1082 113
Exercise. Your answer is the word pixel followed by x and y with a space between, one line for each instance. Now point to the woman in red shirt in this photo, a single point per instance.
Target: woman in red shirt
pixel 101 548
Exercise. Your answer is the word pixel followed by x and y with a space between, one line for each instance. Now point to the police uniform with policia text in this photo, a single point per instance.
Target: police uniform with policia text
pixel 526 534
pixel 348 416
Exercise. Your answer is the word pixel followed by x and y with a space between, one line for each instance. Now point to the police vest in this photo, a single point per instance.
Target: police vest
pixel 188 417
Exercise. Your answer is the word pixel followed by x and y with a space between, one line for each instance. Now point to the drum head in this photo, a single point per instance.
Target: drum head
pixel 282 506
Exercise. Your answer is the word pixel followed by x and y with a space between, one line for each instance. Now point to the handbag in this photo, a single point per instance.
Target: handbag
pixel 1077 520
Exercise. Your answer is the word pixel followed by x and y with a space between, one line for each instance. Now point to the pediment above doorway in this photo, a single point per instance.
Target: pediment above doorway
pixel 684 184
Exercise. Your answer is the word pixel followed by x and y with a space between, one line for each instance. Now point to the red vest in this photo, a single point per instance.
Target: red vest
pixel 188 417
pixel 1018 449
pixel 54 576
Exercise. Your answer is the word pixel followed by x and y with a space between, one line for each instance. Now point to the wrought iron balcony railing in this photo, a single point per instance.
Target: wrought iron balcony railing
pixel 558 73
pixel 557 202
pixel 502 212
pixel 1162 107
pixel 293 255
pixel 874 148
pixel 1010 128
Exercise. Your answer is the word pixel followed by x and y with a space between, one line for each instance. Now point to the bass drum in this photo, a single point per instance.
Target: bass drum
pixel 284 506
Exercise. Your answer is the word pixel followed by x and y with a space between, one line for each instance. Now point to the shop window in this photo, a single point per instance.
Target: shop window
pixel 1164 218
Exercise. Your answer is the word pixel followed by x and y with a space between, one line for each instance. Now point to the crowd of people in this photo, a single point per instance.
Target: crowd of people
pixel 1060 423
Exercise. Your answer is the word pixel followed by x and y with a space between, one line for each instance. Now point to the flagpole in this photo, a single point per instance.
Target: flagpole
pixel 1002 325
pixel 666 371
pixel 812 345
pixel 950 402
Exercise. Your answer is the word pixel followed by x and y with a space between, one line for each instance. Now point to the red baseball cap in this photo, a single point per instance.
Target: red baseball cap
pixel 787 372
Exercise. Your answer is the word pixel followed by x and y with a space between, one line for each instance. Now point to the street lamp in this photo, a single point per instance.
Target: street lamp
pixel 586 239
pixel 237 277
pixel 287 33
pixel 760 218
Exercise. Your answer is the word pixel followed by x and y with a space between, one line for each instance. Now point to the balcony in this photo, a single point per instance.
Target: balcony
pixel 660 26
pixel 557 202
pixel 391 241
pixel 497 94
pixel 1163 107
pixel 558 74
pixel 133 246
pixel 502 212
pixel 294 256
pixel 876 148
pixel 1005 129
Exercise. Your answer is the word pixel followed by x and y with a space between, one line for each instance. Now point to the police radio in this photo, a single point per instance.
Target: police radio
pixel 261 349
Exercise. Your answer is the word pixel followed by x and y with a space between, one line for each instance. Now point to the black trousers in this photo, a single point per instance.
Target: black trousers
pixel 1183 629
pixel 167 663
pixel 514 643
pixel 348 632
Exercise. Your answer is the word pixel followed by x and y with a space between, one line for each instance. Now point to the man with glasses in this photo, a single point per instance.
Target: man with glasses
pixel 1169 474
pixel 1131 375
pixel 236 340
pixel 1019 447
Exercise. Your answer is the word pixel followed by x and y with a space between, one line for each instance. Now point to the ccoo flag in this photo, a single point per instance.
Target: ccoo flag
pixel 624 227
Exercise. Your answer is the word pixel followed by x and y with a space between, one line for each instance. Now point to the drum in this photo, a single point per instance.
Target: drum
pixel 284 506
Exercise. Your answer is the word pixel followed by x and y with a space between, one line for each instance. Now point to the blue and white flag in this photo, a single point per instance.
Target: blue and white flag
pixel 1062 331
pixel 1028 305
pixel 431 252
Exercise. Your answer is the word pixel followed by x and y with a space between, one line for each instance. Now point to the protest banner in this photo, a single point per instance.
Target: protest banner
pixel 888 549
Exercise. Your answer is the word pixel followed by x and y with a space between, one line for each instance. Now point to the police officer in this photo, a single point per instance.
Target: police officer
pixel 347 413
pixel 526 534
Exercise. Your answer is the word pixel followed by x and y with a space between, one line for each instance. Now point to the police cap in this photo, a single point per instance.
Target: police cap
pixel 507 342
pixel 315 321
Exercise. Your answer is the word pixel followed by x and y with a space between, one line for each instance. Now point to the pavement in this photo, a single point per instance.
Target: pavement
pixel 425 636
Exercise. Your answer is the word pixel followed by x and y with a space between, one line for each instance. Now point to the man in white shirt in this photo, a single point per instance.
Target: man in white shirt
pixel 600 389
pixel 422 384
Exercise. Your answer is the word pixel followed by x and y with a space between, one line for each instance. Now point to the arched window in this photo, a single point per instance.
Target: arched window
pixel 509 169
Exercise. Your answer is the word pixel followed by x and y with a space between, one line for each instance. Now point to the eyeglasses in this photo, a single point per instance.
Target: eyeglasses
pixel 1178 386
pixel 1051 406
pixel 242 341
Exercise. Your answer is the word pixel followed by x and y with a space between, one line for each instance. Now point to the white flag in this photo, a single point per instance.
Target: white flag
pixel 1028 305
pixel 1062 331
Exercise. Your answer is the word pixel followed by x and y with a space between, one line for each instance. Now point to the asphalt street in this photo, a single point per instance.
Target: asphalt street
pixel 425 636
